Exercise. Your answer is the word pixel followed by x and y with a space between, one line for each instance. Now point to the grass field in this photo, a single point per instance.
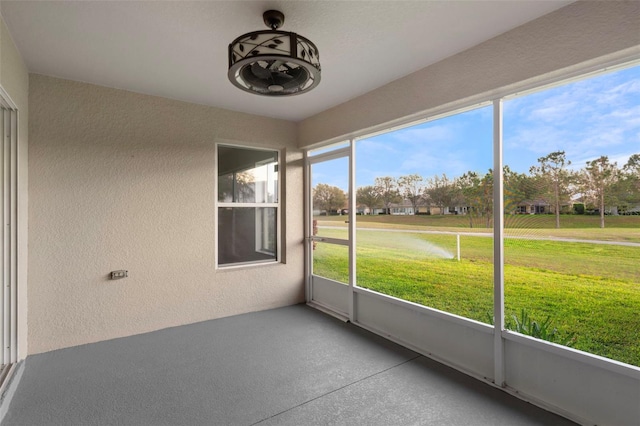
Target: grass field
pixel 592 290
pixel 617 228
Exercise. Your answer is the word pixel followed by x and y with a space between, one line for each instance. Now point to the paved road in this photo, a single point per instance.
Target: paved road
pixel 488 234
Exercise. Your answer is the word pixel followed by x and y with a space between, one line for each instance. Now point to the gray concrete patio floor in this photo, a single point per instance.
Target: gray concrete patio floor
pixel 288 366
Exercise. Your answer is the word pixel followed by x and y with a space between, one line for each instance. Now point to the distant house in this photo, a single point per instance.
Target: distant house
pixel 541 206
pixel 403 208
pixel 406 208
pixel 364 210
pixel 462 210
pixel 538 206
pixel 454 210
pixel 628 209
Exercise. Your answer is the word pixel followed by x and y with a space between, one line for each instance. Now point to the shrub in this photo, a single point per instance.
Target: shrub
pixel 539 330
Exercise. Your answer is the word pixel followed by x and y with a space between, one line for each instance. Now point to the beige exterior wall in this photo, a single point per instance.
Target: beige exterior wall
pixel 573 39
pixel 14 79
pixel 120 180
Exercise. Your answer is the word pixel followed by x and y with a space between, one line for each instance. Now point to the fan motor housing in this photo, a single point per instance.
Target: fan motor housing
pixel 274 63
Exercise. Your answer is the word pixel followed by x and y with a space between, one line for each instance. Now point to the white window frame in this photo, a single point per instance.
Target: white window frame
pixel 8 233
pixel 277 205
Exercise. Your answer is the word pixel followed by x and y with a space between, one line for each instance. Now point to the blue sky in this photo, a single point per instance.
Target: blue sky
pixel 588 118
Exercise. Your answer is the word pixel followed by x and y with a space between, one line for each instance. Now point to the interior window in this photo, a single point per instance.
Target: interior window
pixel 248 205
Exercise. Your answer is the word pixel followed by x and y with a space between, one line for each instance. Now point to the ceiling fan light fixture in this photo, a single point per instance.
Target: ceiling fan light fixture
pixel 273 62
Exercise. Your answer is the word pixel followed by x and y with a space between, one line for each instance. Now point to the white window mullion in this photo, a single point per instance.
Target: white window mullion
pixel 498 245
pixel 233 205
pixel 259 220
pixel 6 236
pixel 13 305
pixel 308 227
pixel 3 234
pixel 352 228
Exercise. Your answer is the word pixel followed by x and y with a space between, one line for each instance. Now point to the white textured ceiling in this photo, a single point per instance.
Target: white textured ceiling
pixel 178 49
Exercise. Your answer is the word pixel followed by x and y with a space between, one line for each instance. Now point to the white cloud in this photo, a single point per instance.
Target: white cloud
pixel 631 87
pixel 369 145
pixel 554 113
pixel 420 135
pixel 586 119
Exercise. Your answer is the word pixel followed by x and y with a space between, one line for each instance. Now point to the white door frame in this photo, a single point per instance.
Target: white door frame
pixel 8 233
pixel 338 291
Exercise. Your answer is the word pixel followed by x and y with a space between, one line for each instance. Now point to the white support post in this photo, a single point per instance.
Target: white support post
pixel 308 231
pixel 458 245
pixel 498 245
pixel 352 228
pixel 7 225
pixel 13 341
pixel 4 161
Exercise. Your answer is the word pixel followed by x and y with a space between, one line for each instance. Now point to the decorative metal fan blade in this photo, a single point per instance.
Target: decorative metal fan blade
pixel 280 74
pixel 260 72
pixel 275 65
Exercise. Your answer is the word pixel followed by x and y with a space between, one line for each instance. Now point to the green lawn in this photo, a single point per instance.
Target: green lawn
pixel 592 290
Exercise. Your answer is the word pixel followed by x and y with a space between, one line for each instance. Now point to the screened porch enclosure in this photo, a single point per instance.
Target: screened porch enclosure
pixel 443 231
pixel 406 279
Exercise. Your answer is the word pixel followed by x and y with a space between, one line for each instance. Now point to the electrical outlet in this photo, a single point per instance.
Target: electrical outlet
pixel 116 275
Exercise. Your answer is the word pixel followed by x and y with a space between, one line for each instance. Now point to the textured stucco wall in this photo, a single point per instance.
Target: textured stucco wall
pixel 120 180
pixel 567 40
pixel 14 79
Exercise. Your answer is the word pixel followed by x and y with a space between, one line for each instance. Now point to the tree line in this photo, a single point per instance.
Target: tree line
pixel 601 183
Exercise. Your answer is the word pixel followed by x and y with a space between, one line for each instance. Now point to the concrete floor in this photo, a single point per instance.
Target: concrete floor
pixel 288 366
